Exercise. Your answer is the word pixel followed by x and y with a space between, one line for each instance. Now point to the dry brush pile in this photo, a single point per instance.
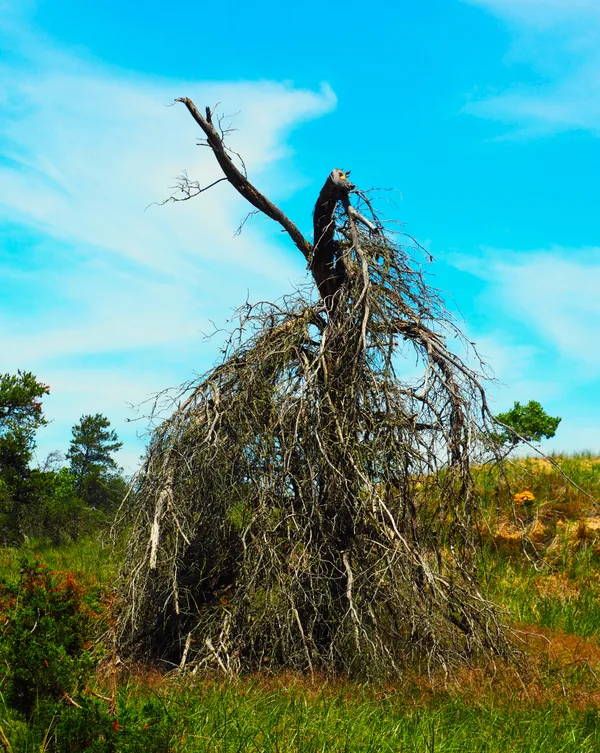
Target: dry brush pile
pixel 305 506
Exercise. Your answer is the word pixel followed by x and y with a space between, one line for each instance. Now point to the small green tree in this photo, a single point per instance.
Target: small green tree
pixel 97 475
pixel 21 415
pixel 528 422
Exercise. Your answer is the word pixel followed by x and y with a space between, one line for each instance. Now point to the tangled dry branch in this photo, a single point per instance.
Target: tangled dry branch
pixel 309 503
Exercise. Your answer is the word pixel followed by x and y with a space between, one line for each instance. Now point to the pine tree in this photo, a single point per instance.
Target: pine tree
pixel 96 472
pixel 21 415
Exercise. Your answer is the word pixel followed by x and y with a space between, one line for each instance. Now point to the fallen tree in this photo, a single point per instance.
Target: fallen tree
pixel 305 506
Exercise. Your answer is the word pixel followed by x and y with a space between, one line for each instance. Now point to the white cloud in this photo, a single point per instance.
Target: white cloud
pixel 553 292
pixel 83 151
pixel 514 369
pixel 560 39
pixel 88 151
pixel 541 12
pixel 541 325
pixel 570 104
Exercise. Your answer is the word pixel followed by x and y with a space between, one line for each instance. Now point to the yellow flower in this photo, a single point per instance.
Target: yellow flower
pixel 523 498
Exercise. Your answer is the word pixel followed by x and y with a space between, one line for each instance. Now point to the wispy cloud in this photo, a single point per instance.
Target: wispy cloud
pixel 542 13
pixel 89 277
pixel 554 293
pixel 540 333
pixel 560 40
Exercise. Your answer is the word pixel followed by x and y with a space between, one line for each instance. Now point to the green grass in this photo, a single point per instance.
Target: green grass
pixel 555 589
pixel 225 719
pixel 561 598
pixel 231 718
pixel 91 558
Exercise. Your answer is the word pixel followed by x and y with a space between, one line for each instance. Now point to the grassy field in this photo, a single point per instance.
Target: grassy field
pixel 540 562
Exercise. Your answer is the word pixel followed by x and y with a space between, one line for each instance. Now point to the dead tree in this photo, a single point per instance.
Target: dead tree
pixel 305 506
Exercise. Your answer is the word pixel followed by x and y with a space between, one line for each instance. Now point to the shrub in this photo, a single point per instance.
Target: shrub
pixel 48 620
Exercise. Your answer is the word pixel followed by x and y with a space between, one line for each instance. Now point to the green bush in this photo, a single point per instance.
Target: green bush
pixel 48 625
pixel 48 620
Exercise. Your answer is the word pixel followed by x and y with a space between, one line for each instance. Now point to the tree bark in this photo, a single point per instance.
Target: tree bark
pixel 327 265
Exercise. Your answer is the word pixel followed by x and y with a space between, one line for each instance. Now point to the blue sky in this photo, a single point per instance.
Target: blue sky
pixel 483 114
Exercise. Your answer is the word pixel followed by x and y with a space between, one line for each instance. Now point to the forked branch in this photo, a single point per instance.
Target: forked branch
pixel 324 257
pixel 240 182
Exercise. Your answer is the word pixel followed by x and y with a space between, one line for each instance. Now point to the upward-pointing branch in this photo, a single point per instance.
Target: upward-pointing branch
pixel 239 181
pixel 324 258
